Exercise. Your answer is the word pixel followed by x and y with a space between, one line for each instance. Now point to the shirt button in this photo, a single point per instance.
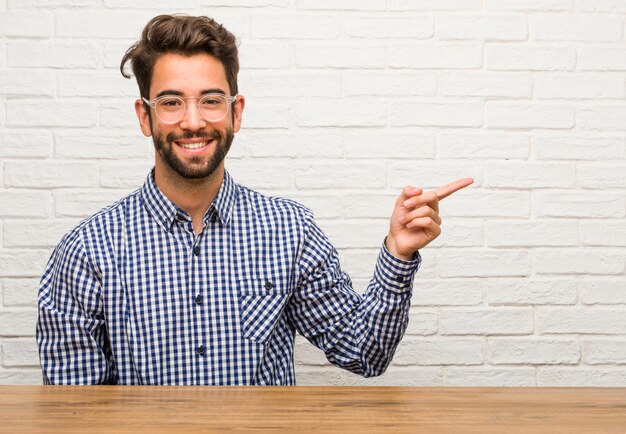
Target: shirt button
pixel 268 285
pixel 400 279
pixel 198 299
pixel 201 350
pixel 196 250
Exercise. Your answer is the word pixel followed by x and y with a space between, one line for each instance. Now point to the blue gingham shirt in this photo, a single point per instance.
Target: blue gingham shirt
pixel 133 296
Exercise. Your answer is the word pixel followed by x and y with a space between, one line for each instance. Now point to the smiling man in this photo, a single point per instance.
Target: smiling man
pixel 195 279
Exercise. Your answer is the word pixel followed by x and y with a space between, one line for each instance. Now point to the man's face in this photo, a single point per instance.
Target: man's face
pixel 192 148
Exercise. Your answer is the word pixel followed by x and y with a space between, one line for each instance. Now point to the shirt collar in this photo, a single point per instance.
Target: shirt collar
pixel 166 212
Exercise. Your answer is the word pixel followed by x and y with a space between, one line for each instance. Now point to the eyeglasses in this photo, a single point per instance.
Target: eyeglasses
pixel 170 109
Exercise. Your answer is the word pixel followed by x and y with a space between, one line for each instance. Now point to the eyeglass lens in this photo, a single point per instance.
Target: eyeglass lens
pixel 172 108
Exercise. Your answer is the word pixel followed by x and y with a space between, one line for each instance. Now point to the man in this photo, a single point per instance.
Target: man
pixel 194 279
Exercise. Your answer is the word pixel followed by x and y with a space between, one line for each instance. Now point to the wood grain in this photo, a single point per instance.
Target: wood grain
pixel 154 409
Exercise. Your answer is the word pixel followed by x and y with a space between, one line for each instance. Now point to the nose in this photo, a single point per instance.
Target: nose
pixel 192 120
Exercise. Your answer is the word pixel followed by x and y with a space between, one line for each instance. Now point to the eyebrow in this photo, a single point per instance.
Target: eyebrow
pixel 179 93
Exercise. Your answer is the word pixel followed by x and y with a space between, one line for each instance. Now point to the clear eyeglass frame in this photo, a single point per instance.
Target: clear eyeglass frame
pixel 229 100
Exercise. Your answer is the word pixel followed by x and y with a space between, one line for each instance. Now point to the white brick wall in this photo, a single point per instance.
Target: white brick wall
pixel 348 101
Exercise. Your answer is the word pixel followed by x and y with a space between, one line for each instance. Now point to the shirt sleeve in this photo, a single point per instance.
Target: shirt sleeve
pixel 71 336
pixel 357 333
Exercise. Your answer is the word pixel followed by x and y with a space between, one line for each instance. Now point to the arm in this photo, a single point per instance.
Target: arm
pixel 71 334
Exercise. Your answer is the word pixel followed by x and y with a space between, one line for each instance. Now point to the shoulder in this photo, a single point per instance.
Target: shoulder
pixel 273 206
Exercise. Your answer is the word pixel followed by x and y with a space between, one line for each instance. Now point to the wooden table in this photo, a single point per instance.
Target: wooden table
pixel 362 410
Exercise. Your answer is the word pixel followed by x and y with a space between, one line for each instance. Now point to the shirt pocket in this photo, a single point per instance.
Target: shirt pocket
pixel 261 305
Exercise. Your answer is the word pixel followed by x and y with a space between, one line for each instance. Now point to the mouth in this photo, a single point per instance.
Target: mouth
pixel 194 146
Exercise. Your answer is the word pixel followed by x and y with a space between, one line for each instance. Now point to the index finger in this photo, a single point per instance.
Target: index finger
pixel 446 190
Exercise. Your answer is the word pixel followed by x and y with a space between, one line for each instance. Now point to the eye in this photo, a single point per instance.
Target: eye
pixel 211 100
pixel 171 102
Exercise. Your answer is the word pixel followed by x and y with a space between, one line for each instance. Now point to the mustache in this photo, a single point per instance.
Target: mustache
pixel 213 135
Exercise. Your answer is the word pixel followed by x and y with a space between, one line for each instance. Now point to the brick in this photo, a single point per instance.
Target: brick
pixel 483 263
pixel 531 292
pixel 100 144
pixel 19 143
pixel 50 174
pixel 295 27
pixel 355 234
pixel 368 205
pixel 308 354
pixel 526 115
pixel 606 117
pixel 513 174
pixel 244 3
pixel 34 233
pixel 489 377
pixel 112 56
pixel 487 204
pixel 261 144
pixel 388 145
pixel 581 377
pixel 439 55
pixel 83 203
pixel 152 4
pixel 435 5
pixel 529 5
pixel 501 84
pixel 345 5
pixel 20 292
pixel 117 115
pixel 14 323
pixel 577 147
pixel 389 82
pixel 389 27
pixel 591 320
pixel 19 352
pixel 52 54
pixel 569 261
pixel 439 351
pixel 26 24
pixel 37 4
pixel 515 233
pixel 60 113
pixel 22 263
pixel 602 58
pixel 289 84
pixel 264 114
pixel 578 204
pixel 116 175
pixel 614 6
pixel 324 206
pixel 21 203
pixel 333 376
pixel 604 351
pixel 422 323
pixel 534 351
pixel 447 292
pixel 608 233
pixel 432 174
pixel 29 82
pixel 340 113
pixel 356 55
pixel 21 376
pixel 436 114
pixel 523 57
pixel 492 321
pixel 579 27
pixel 583 86
pixel 263 174
pixel 605 291
pixel 489 27
pixel 601 175
pixel 360 263
pixel 109 24
pixel 110 84
pixel 461 233
pixel 274 54
pixel 483 146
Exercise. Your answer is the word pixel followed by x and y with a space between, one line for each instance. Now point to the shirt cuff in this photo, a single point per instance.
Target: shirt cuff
pixel 395 274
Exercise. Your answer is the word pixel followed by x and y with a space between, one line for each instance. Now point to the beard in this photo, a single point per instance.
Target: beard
pixel 198 167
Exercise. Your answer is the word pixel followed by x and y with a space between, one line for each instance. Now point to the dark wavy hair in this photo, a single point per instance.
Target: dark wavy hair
pixel 185 35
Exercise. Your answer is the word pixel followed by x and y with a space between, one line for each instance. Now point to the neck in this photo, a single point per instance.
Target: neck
pixel 191 195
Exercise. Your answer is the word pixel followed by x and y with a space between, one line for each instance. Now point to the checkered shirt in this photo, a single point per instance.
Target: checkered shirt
pixel 133 296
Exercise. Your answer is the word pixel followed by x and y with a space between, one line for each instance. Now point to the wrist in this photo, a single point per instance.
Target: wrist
pixel 391 246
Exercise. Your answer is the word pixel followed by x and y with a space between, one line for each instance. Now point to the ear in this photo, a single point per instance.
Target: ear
pixel 238 111
pixel 143 116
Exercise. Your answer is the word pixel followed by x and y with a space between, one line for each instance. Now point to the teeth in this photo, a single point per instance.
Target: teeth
pixel 193 145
